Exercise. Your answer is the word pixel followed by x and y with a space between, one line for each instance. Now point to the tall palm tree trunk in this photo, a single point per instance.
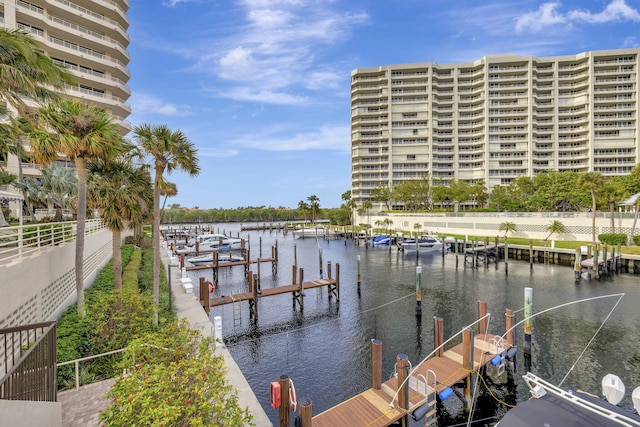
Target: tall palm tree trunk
pixel 613 213
pixel 116 236
pixel 156 244
pixel 81 168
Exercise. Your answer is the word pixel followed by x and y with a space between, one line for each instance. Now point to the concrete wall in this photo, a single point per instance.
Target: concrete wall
pixel 529 225
pixel 38 287
pixel 22 413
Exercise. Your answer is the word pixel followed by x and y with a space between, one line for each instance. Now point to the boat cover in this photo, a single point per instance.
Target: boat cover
pixel 553 411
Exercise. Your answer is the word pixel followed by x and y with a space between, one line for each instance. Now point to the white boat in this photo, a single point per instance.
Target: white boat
pixel 208 258
pixel 426 243
pixel 212 241
pixel 317 231
pixel 383 240
pixel 554 406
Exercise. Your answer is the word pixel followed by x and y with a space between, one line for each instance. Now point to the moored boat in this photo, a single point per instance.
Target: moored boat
pixel 554 406
pixel 425 243
pixel 208 258
pixel 383 240
pixel 317 231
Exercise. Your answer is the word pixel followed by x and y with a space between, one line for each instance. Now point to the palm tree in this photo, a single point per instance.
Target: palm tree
pixel 314 205
pixel 417 226
pixel 124 196
pixel 507 227
pixel 592 181
pixel 304 208
pixel 169 150
pixel 367 205
pixel 26 72
pixel 57 189
pixel 168 189
pixel 555 227
pixel 81 133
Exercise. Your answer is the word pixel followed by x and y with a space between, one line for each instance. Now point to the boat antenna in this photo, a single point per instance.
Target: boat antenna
pixel 591 340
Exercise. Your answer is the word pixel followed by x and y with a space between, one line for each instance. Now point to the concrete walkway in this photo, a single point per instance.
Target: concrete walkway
pixel 81 407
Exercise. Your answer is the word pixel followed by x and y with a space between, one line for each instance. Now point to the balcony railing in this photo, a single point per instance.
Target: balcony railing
pixel 25 239
pixel 28 357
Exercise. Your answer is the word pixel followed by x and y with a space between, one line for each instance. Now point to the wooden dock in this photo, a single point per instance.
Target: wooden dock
pixel 255 293
pixel 416 390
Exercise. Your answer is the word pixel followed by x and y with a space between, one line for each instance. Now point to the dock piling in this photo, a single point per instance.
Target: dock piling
pixel 284 400
pixel 402 363
pixel 358 264
pixel 438 335
pixel 577 266
pixel 528 308
pixel 376 364
pixel 419 291
pixel 306 412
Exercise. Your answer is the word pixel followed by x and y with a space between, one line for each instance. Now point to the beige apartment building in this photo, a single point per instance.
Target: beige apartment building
pixel 90 38
pixel 494 119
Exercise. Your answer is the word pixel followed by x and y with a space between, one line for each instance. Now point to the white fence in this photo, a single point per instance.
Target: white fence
pixel 19 241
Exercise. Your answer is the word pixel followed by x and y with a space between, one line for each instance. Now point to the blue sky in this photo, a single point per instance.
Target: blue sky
pixel 261 87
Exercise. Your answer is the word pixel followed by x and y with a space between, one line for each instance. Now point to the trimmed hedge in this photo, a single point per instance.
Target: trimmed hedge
pixel 613 238
pixel 636 240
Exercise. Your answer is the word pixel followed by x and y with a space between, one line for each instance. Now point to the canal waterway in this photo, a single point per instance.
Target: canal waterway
pixel 326 349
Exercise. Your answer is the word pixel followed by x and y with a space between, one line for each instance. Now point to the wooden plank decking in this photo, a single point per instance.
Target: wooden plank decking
pixel 373 407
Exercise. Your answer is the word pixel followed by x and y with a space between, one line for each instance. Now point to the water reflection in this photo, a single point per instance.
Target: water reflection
pixel 326 349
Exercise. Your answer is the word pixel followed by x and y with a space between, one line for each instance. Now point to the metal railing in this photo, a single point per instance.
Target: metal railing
pixel 29 362
pixel 76 362
pixel 23 240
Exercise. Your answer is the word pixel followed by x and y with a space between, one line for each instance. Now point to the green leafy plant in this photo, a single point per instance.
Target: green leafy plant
pixel 613 238
pixel 174 379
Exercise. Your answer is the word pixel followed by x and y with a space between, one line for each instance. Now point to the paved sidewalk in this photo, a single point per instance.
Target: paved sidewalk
pixel 81 407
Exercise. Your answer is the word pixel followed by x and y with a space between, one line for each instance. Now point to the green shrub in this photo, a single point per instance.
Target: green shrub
pixel 636 240
pixel 175 379
pixel 613 238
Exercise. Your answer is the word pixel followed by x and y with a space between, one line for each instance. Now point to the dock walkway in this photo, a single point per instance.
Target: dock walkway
pixel 373 407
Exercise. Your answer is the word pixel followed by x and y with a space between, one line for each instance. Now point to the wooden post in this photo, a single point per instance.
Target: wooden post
pixel 577 266
pixel 284 400
pixel 306 411
pixel 506 256
pixel 467 362
pixel 358 264
pixel 528 308
pixel 301 271
pixel 376 364
pixel 486 252
pixel 197 247
pixel 419 291
pixel 260 253
pixel 256 294
pixel 596 261
pixel 337 280
pixel 329 276
pixel 510 322
pixel 482 311
pixel 604 256
pixel 438 335
pixel 295 253
pixel 467 349
pixel 402 363
pixel 531 252
pixel 204 295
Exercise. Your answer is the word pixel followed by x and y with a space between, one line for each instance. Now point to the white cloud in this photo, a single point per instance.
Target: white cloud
pixel 247 93
pixel 549 14
pixel 142 103
pixel 217 152
pixel 546 15
pixel 630 42
pixel 173 3
pixel 278 50
pixel 615 11
pixel 325 138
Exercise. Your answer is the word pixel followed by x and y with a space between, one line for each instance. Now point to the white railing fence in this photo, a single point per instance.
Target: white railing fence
pixel 18 241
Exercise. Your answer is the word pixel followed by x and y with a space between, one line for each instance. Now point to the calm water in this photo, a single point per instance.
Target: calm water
pixel 326 349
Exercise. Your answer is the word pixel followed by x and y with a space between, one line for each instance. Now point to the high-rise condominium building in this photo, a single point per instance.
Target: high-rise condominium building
pixel 89 37
pixel 495 119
